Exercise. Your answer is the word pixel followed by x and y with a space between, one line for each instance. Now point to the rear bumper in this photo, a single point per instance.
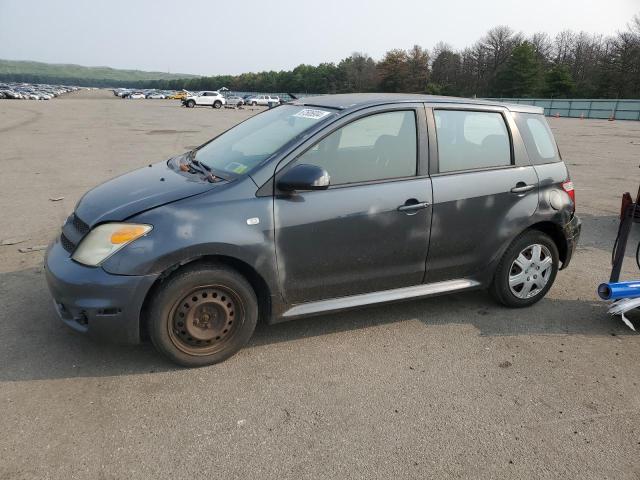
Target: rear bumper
pixel 93 302
pixel 571 232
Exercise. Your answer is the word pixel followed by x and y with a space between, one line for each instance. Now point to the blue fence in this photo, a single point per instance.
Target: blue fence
pixel 583 107
pixel 622 109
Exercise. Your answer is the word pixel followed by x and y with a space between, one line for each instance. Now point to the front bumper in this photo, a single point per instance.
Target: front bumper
pixel 571 233
pixel 94 302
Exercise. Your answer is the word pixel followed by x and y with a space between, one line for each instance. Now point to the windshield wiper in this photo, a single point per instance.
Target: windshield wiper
pixel 192 165
pixel 201 165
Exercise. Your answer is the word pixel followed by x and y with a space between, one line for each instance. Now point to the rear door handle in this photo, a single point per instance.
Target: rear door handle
pixel 410 207
pixel 522 187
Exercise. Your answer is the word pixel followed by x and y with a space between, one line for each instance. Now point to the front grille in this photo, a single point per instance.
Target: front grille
pixel 79 225
pixel 73 232
pixel 67 244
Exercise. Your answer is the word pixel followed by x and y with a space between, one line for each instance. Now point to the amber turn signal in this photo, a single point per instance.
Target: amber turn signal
pixel 127 234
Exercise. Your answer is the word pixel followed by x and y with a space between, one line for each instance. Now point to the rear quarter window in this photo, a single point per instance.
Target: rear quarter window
pixel 538 139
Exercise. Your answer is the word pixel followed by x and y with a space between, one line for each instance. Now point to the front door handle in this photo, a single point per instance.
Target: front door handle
pixel 522 187
pixel 412 205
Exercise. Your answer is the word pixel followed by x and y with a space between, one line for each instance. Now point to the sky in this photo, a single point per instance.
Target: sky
pixel 213 37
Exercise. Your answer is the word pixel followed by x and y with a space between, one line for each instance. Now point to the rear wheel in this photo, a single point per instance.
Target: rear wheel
pixel 202 315
pixel 191 104
pixel 527 270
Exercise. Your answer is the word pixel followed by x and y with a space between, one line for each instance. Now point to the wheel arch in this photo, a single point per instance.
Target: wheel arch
pixel 555 232
pixel 550 228
pixel 255 279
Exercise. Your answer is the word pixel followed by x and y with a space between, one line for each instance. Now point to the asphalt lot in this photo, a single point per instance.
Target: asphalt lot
pixel 450 387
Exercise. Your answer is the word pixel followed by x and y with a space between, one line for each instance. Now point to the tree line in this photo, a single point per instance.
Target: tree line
pixel 503 63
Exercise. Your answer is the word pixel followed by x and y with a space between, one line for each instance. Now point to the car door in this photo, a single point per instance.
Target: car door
pixel 369 231
pixel 484 189
pixel 207 98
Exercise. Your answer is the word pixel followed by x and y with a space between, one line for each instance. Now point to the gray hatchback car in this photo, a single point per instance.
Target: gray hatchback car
pixel 322 204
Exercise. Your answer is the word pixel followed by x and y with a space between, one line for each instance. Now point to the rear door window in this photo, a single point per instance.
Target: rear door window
pixel 538 139
pixel 469 140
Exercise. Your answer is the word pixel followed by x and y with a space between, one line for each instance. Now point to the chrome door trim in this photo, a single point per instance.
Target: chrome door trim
pixel 383 296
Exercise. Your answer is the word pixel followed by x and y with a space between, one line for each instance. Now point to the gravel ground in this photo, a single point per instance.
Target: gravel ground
pixel 450 387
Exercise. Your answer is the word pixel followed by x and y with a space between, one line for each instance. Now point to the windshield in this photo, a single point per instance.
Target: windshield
pixel 246 145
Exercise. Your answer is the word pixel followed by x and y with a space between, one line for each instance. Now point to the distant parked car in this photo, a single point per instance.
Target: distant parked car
pixel 136 95
pixel 180 95
pixel 234 101
pixel 263 100
pixel 207 98
pixel 156 95
pixel 32 91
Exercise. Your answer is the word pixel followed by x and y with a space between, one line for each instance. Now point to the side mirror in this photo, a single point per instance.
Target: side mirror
pixel 304 177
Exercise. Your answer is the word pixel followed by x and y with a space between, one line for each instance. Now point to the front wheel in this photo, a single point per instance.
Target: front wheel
pixel 202 315
pixel 526 271
pixel 191 104
pixel 217 104
pixel 254 104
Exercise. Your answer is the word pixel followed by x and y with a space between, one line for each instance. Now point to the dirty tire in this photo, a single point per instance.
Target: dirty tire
pixel 191 104
pixel 532 254
pixel 254 103
pixel 217 104
pixel 202 314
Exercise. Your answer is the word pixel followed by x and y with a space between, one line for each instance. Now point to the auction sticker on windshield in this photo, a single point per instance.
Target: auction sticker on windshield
pixel 311 113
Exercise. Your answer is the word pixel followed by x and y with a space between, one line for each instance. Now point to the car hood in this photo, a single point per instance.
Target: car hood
pixel 137 191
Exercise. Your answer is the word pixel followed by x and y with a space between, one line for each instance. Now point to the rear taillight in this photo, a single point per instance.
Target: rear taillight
pixel 568 187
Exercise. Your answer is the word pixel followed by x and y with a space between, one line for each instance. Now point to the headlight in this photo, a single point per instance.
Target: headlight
pixel 105 240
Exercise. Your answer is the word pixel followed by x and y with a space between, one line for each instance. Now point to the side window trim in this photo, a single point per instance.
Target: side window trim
pixel 435 162
pixel 433 166
pixel 422 142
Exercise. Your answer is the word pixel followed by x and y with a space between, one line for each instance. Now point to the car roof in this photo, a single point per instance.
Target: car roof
pixel 354 101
